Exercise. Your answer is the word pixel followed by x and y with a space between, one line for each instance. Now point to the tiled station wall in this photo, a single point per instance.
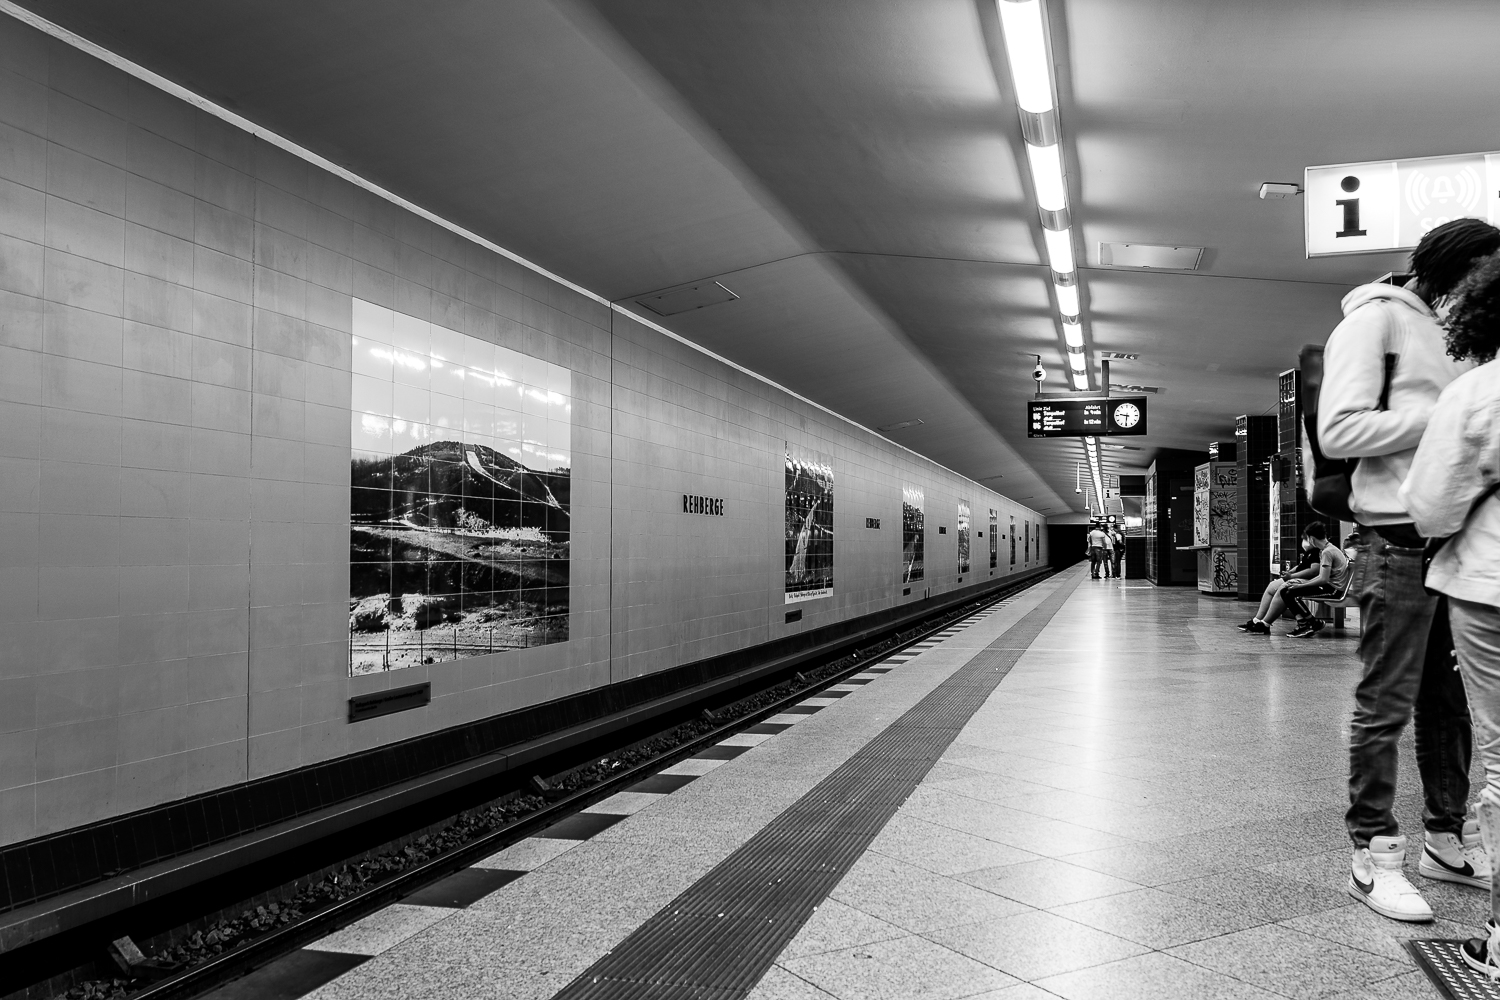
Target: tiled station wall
pixel 175 309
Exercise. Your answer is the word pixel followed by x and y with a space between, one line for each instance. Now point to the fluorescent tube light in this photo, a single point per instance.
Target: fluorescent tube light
pixel 1073 334
pixel 1067 300
pixel 1059 243
pixel 1026 50
pixel 1075 362
pixel 1047 175
pixel 1080 381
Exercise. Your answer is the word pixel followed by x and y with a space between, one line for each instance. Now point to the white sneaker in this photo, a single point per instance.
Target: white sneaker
pixel 1447 858
pixel 1377 881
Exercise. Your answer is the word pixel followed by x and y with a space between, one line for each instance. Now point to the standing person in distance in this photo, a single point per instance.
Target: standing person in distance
pixel 1098 545
pixel 1451 492
pixel 1404 648
pixel 1117 541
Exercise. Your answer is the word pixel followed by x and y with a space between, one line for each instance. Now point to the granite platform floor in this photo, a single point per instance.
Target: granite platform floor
pixel 1148 805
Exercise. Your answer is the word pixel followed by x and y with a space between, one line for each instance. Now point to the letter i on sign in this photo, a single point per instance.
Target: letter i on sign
pixel 1350 207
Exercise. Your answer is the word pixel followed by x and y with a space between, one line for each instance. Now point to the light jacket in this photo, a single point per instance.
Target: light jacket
pixel 1459 459
pixel 1381 320
pixel 1098 539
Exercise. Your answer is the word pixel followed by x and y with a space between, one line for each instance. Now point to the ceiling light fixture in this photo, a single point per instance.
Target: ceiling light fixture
pixel 1026 50
pixel 1047 175
pixel 1067 302
pixel 1059 249
pixel 1023 24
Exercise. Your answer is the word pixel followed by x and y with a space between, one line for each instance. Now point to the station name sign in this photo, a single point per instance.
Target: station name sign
pixel 1081 416
pixel 1386 205
pixel 712 506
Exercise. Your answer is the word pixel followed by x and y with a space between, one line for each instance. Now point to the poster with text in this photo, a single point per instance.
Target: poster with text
pixel 460 495
pixel 994 538
pixel 913 533
pixel 963 537
pixel 809 525
pixel 1013 541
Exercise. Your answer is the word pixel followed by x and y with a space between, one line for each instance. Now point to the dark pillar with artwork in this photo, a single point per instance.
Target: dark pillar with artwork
pixel 1256 439
pixel 1170 558
pixel 1293 510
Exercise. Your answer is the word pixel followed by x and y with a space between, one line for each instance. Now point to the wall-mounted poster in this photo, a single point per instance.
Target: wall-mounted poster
pixel 1013 541
pixel 459 507
pixel 963 537
pixel 809 525
pixel 913 533
pixel 994 538
pixel 1028 541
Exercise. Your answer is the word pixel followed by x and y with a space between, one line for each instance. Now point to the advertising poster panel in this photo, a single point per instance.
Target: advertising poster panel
pixel 809 525
pixel 459 510
pixel 994 538
pixel 913 533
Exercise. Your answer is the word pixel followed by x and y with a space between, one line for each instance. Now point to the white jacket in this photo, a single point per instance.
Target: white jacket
pixel 1381 320
pixel 1459 459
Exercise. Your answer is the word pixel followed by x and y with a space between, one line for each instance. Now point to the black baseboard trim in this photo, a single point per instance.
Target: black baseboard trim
pixel 68 879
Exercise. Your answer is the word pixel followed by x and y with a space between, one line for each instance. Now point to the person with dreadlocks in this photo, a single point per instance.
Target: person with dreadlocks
pixel 1384 367
pixel 1449 493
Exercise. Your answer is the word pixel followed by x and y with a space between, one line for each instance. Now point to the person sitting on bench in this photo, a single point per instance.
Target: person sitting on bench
pixel 1333 574
pixel 1271 604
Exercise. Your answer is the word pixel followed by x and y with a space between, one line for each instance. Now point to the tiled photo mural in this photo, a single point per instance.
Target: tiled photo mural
pixel 459 507
pixel 809 525
pixel 963 537
pixel 913 533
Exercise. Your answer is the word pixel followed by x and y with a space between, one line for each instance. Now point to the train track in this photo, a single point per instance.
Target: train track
pixel 265 948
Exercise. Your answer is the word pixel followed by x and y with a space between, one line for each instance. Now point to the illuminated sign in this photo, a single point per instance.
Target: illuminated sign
pixel 1388 205
pixel 1080 416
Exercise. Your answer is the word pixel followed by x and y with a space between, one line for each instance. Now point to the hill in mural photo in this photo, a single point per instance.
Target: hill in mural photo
pixel 456 550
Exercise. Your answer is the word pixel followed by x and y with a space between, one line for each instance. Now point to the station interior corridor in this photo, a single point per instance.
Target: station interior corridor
pixel 1149 804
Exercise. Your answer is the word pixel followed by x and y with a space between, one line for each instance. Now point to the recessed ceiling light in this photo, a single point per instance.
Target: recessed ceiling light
pixel 899 426
pixel 1118 356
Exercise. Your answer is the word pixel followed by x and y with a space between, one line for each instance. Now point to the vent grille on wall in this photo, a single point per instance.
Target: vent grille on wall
pixel 1150 256
pixel 687 298
pixel 1154 389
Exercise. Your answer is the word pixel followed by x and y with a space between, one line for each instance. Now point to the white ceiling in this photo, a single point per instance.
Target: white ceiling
pixel 850 170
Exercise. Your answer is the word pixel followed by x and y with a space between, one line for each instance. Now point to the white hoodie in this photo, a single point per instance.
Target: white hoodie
pixel 1381 320
pixel 1458 460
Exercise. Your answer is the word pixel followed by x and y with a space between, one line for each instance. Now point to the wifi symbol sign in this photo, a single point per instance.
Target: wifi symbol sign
pixel 1435 193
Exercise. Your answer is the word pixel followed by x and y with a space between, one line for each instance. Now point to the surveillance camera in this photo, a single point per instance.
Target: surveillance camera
pixel 1039 374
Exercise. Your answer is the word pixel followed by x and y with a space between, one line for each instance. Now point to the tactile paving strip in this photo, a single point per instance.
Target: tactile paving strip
pixel 719 938
pixel 1439 958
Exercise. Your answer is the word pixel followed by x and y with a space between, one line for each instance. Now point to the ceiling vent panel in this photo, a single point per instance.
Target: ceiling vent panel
pixel 1147 255
pixel 687 298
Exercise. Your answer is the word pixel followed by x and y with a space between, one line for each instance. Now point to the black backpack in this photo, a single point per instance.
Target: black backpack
pixel 1332 480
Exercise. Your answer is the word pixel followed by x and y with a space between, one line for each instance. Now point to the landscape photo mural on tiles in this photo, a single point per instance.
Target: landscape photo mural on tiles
pixel 460 495
pixel 963 537
pixel 809 524
pixel 913 533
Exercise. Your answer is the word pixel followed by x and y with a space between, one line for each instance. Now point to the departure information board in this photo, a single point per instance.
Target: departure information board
pixel 1080 416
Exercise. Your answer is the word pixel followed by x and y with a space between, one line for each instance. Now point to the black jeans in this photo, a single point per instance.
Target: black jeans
pixel 1407 651
pixel 1298 593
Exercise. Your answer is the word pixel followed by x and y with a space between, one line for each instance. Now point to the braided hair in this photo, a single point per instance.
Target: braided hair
pixel 1474 321
pixel 1446 252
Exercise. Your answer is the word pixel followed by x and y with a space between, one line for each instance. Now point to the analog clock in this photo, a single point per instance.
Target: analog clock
pixel 1127 415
